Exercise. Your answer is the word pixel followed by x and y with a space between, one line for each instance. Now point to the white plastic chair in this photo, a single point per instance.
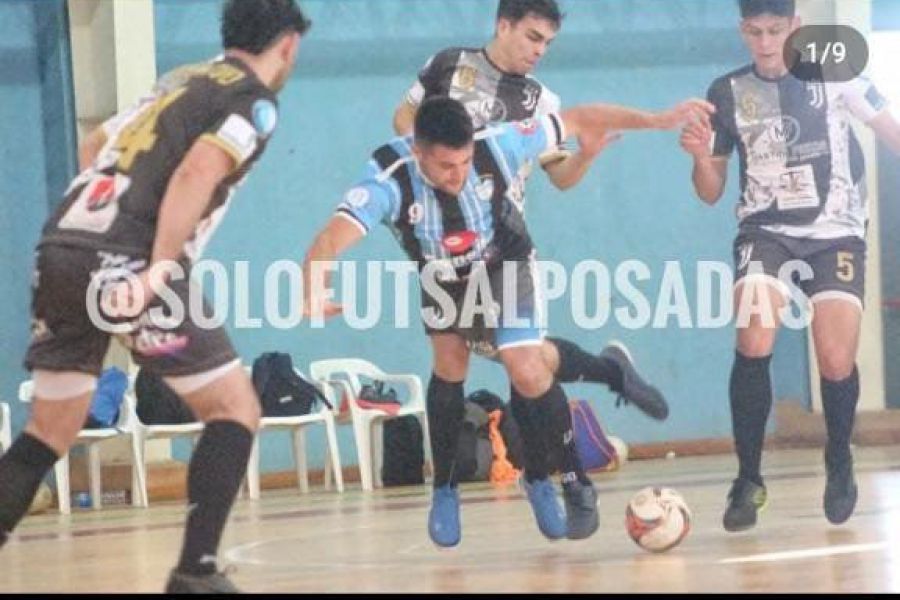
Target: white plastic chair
pixel 367 423
pixel 5 427
pixel 126 425
pixel 297 426
pixel 156 431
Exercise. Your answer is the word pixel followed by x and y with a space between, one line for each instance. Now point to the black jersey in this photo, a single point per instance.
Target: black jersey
pixel 114 204
pixel 489 94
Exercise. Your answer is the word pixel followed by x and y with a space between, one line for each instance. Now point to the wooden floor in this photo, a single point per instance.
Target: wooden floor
pixel 356 542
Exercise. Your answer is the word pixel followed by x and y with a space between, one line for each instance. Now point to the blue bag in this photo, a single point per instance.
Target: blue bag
pixel 107 399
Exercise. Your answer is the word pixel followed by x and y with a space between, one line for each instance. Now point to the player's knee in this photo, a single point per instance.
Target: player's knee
pixel 835 363
pixel 755 343
pixel 530 378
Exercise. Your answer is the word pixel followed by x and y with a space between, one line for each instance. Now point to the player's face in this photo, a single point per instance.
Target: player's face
pixel 765 36
pixel 525 43
pixel 447 168
pixel 289 47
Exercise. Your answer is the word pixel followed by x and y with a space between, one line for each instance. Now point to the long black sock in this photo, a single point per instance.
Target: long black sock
pixel 446 410
pixel 751 402
pixel 839 400
pixel 576 364
pixel 554 407
pixel 534 437
pixel 22 468
pixel 217 468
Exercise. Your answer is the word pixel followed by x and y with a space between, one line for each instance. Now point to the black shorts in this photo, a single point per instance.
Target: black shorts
pixel 486 338
pixel 837 267
pixel 66 338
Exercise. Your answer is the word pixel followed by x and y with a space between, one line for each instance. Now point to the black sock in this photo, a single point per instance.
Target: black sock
pixel 22 468
pixel 576 364
pixel 446 410
pixel 751 402
pixel 557 419
pixel 534 437
pixel 217 468
pixel 839 400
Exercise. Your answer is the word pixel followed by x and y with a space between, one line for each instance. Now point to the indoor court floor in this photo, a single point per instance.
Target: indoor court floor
pixel 377 542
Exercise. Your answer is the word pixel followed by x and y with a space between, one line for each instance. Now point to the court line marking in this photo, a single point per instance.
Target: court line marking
pixel 806 553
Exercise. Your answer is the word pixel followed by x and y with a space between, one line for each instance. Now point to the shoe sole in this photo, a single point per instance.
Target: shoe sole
pixel 624 349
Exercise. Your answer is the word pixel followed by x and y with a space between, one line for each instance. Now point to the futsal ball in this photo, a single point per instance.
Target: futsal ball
pixel 621 448
pixel 657 519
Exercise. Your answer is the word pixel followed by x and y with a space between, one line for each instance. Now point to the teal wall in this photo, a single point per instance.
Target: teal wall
pixel 36 161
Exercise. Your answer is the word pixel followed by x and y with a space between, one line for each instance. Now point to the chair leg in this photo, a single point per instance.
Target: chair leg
pixel 334 457
pixel 94 477
pixel 377 451
pixel 63 491
pixel 326 471
pixel 363 435
pixel 138 474
pixel 300 459
pixel 426 441
pixel 253 470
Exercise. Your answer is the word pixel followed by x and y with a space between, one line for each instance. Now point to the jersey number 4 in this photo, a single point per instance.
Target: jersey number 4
pixel 140 135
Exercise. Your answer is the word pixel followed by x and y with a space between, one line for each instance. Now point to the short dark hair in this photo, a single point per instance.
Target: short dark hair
pixel 445 121
pixel 516 10
pixel 779 8
pixel 253 25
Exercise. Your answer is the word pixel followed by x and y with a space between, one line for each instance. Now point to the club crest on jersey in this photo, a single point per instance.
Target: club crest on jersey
pixel 358 197
pixel 484 189
pixel 265 117
pixel 749 106
pixel 465 78
pixel 531 98
pixel 416 213
pixel 816 92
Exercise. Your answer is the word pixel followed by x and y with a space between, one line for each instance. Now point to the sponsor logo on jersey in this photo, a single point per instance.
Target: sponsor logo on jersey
pixel 785 130
pixel 459 242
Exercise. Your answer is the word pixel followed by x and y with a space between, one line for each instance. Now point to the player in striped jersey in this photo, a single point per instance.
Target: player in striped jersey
pixel 448 194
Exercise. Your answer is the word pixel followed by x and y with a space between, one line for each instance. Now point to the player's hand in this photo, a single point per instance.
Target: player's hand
pixel 591 144
pixel 696 139
pixel 689 111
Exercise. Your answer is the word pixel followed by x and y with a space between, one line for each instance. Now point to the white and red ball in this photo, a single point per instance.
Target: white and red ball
pixel 657 519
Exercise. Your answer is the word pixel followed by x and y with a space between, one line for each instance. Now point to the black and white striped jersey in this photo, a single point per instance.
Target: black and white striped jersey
pixel 802 168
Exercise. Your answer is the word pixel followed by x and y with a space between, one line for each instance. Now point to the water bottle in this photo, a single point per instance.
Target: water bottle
pixel 82 500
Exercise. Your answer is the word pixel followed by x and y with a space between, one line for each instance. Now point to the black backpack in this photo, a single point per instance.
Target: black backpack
pixel 474 453
pixel 404 452
pixel 282 392
pixel 157 404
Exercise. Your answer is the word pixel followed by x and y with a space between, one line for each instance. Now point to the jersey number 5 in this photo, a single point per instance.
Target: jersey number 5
pixel 846 270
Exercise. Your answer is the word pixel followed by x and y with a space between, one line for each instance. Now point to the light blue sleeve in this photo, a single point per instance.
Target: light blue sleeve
pixel 371 201
pixel 525 141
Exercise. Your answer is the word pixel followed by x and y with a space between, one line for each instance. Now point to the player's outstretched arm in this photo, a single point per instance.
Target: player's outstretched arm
pixel 710 172
pixel 567 171
pixel 404 117
pixel 332 241
pixel 601 119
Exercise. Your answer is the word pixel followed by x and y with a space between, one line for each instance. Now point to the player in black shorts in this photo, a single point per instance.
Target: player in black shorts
pixel 156 180
pixel 495 84
pixel 803 199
